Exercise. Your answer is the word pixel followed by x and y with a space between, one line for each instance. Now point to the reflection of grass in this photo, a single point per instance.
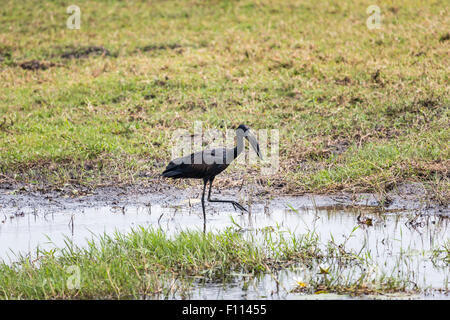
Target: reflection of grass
pixel 357 109
pixel 441 255
pixel 148 263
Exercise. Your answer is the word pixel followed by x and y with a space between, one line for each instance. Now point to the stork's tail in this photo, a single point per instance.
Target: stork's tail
pixel 172 172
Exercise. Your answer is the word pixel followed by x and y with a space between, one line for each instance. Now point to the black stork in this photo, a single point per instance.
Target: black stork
pixel 207 164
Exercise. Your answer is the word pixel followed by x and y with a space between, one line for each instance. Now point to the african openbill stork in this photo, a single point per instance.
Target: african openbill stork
pixel 207 164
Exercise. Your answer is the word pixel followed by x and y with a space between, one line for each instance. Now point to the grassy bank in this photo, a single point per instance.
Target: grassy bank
pixel 147 263
pixel 357 109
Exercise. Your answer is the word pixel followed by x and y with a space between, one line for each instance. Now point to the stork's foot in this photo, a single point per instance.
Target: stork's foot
pixel 239 206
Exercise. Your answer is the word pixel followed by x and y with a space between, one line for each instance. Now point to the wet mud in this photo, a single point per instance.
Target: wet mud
pixel 34 65
pixel 85 52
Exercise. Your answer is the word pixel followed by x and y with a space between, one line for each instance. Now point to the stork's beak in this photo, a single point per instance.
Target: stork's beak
pixel 254 143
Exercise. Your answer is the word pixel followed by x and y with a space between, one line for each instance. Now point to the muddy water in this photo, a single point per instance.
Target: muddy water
pixel 396 240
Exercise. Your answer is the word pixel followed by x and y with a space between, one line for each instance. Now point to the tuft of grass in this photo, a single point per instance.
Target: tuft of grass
pixel 441 255
pixel 143 263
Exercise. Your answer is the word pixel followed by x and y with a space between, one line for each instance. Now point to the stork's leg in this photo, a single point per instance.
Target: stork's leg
pixel 234 203
pixel 205 181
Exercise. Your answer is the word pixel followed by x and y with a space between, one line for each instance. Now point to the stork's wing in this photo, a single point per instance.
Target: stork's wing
pixel 197 165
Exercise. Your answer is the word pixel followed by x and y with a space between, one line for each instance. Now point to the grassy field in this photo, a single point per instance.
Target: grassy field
pixel 357 109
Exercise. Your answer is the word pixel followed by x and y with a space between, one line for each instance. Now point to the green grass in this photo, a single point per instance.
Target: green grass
pixel 148 263
pixel 357 109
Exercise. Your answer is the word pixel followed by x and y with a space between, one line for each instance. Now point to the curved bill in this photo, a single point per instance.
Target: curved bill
pixel 254 143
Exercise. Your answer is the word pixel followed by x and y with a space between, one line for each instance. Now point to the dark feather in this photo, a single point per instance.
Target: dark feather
pixel 201 164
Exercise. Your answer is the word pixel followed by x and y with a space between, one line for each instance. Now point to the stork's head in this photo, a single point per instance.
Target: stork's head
pixel 244 131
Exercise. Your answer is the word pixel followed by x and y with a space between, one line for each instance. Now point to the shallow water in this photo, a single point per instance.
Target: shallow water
pixel 397 240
